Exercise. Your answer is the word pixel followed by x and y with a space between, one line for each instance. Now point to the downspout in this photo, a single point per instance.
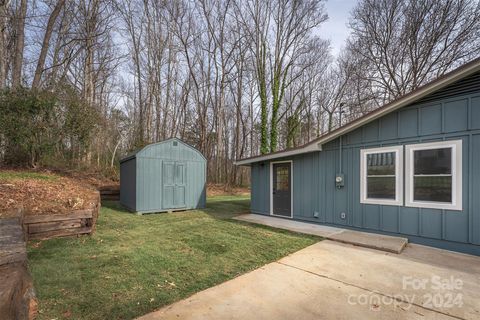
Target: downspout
pixel 340 156
pixel 340 177
pixel 340 140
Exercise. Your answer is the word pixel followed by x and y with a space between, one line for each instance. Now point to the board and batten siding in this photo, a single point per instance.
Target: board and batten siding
pixel 456 117
pixel 260 185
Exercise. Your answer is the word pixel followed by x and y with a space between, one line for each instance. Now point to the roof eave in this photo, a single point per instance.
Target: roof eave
pixel 286 153
pixel 130 157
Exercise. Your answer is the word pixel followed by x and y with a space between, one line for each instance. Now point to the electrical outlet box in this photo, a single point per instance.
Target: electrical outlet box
pixel 343 216
pixel 339 180
pixel 315 214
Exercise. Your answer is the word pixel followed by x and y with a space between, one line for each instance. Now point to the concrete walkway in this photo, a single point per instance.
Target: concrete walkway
pixel 362 239
pixel 332 280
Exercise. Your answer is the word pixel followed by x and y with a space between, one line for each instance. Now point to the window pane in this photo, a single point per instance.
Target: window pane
pixel 381 164
pixel 438 189
pixel 381 187
pixel 435 161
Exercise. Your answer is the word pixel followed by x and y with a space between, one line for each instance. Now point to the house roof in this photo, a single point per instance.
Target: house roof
pixel 415 95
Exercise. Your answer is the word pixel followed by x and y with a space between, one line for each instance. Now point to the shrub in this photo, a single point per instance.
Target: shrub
pixel 44 127
pixel 26 131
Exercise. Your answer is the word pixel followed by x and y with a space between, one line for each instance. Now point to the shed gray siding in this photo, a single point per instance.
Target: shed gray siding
pixel 446 117
pixel 149 179
pixel 129 182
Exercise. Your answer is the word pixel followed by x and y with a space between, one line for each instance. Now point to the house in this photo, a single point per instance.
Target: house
pixel 409 168
pixel 164 176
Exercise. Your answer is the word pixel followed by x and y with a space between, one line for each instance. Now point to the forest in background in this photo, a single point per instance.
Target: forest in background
pixel 84 82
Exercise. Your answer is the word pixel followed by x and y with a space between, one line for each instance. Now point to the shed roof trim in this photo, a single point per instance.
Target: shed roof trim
pixel 135 153
pixel 316 145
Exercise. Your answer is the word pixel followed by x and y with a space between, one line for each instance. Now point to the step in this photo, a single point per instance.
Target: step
pixel 357 238
pixel 371 240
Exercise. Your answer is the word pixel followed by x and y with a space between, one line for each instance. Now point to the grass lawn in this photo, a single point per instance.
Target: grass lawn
pixel 135 264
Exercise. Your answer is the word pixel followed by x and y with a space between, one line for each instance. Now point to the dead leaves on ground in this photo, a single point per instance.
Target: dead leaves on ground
pixel 58 195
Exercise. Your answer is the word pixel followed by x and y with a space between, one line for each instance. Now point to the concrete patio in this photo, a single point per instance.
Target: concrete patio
pixel 332 280
pixel 362 239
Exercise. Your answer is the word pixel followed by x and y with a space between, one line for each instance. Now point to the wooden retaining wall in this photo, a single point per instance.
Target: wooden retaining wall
pixel 110 192
pixel 12 243
pixel 77 222
pixel 17 295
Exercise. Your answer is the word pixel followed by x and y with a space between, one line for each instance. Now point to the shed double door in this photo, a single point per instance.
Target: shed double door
pixel 174 185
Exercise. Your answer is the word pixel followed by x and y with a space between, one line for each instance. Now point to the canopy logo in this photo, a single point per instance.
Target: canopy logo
pixel 432 292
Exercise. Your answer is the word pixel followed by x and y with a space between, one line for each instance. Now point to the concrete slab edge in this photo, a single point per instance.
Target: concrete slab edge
pixel 369 246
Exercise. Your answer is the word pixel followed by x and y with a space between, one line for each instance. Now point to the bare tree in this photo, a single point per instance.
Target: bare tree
pixel 407 43
pixel 233 78
pixel 280 32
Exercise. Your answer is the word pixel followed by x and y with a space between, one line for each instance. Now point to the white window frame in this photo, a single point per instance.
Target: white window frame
pixel 456 203
pixel 398 201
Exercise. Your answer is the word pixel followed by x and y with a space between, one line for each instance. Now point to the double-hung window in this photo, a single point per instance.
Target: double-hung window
pixel 381 175
pixel 433 174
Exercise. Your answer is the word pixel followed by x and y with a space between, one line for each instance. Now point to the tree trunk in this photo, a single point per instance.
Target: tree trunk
pixel 262 88
pixel 3 44
pixel 19 44
pixel 46 43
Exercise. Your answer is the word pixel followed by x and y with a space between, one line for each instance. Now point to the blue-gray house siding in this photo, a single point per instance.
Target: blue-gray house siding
pixel 451 114
pixel 142 177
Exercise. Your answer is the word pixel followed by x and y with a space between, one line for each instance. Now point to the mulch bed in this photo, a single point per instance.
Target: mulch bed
pixel 223 190
pixel 43 195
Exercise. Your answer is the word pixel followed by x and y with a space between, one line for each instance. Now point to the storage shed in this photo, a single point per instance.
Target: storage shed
pixel 164 176
pixel 409 168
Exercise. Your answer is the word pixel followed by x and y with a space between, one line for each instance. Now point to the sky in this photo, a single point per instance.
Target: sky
pixel 335 28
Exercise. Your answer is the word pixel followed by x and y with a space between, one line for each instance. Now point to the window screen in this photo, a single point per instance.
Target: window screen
pixel 432 180
pixel 433 175
pixel 381 175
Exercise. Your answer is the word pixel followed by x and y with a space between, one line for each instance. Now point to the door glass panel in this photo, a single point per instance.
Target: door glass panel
pixel 433 161
pixel 433 188
pixel 281 197
pixel 282 183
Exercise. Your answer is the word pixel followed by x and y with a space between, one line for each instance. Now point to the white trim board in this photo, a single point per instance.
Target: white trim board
pixel 287 153
pixel 457 198
pixel 291 188
pixel 398 201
